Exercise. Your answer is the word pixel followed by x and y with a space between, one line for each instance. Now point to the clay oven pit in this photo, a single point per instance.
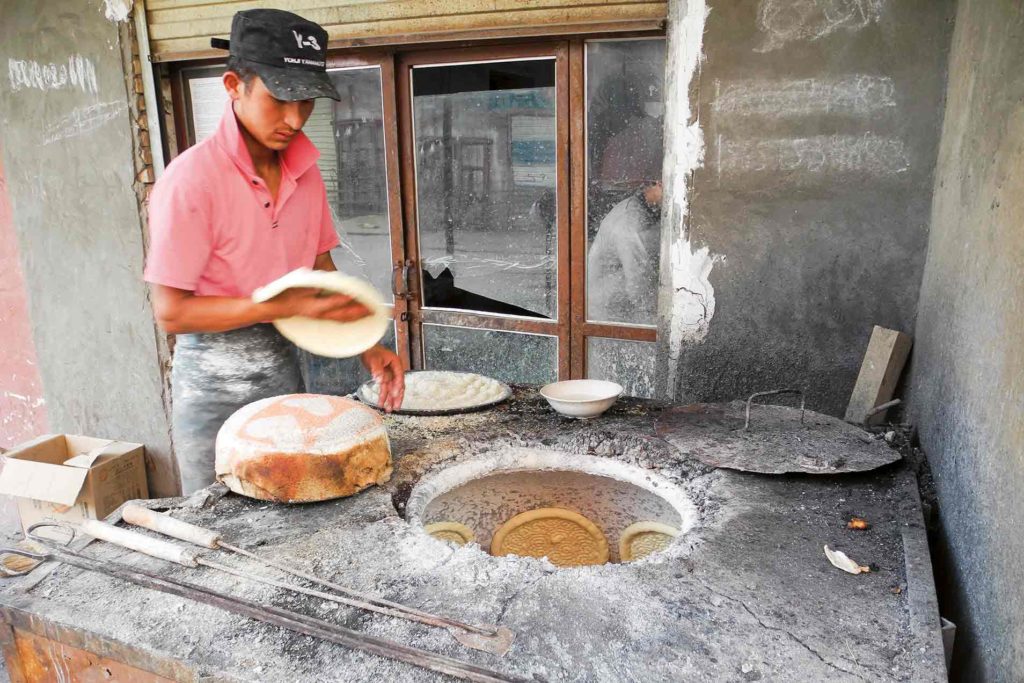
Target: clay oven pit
pixel 573 509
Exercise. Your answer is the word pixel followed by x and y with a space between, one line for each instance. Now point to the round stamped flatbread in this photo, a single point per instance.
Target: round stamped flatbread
pixel 644 538
pixel 566 538
pixel 454 532
pixel 327 337
pixel 439 391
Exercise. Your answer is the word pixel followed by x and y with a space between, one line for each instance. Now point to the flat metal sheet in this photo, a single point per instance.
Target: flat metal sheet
pixel 362 395
pixel 776 441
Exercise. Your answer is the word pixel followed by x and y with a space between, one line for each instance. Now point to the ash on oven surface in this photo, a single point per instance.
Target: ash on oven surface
pixel 746 595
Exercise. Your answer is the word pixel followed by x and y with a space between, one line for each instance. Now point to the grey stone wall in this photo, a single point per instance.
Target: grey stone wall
pixel 69 154
pixel 808 216
pixel 968 375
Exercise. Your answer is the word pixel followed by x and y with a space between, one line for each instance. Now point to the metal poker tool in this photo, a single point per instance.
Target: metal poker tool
pixel 493 639
pixel 294 621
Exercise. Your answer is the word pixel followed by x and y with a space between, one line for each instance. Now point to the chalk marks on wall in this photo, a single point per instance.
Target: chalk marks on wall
pixel 785 21
pixel 868 154
pixel 855 94
pixel 83 120
pixel 79 73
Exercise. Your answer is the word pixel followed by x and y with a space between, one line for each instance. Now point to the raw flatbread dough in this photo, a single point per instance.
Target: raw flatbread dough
pixel 439 390
pixel 643 538
pixel 327 337
pixel 456 533
pixel 566 538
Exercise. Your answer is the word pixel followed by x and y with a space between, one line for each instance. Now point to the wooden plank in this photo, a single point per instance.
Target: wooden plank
pixel 43 660
pixel 351 11
pixel 194 37
pixel 10 650
pixel 20 613
pixel 578 209
pixel 883 363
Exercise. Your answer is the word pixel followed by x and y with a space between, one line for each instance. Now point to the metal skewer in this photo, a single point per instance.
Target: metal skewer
pixel 493 639
pixel 294 621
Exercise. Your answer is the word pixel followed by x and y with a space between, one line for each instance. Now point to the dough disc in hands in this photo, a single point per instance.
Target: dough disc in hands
pixel 328 337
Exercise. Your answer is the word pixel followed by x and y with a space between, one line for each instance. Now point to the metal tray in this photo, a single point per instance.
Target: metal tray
pixel 506 395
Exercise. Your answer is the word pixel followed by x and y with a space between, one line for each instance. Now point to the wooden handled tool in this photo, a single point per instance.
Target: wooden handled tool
pixel 294 621
pixel 494 639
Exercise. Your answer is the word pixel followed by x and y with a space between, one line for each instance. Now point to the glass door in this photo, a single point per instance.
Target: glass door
pixel 485 189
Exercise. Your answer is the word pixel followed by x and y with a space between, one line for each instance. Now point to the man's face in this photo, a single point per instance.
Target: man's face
pixel 272 122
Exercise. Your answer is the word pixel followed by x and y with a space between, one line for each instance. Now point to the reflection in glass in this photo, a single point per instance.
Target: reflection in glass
pixel 624 155
pixel 629 363
pixel 506 356
pixel 350 137
pixel 337 376
pixel 485 141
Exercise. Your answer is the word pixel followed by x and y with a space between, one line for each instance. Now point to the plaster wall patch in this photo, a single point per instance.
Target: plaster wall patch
pixel 693 296
pixel 691 304
pixel 117 10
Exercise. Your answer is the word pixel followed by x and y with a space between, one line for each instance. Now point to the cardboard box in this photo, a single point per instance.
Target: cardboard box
pixel 61 477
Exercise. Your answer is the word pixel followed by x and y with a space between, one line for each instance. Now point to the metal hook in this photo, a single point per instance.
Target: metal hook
pixel 45 540
pixel 32 555
pixel 746 423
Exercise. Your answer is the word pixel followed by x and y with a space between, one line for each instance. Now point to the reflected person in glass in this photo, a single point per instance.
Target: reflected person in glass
pixel 623 261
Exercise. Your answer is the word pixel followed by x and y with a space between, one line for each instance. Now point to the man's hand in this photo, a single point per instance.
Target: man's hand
pixel 313 303
pixel 386 368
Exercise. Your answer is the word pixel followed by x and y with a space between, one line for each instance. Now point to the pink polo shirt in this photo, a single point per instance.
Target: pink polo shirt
pixel 214 229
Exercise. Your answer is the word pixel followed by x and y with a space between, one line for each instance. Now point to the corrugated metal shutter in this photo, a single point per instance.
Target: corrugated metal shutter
pixel 181 29
pixel 320 130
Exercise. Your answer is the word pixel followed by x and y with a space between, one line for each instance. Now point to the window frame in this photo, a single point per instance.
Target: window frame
pixel 571 328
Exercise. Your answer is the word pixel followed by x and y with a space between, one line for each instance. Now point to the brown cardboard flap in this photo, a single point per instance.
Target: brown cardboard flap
pixel 86 460
pixel 42 481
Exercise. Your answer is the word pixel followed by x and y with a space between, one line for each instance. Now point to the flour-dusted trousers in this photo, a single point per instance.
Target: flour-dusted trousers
pixel 215 374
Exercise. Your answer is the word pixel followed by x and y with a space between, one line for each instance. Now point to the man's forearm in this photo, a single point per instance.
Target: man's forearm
pixel 215 314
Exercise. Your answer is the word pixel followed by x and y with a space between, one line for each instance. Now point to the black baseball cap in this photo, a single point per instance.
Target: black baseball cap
pixel 288 53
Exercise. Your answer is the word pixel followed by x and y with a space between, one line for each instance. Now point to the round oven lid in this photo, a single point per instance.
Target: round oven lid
pixel 775 439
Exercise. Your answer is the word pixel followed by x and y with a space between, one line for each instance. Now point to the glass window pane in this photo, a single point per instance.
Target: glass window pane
pixel 485 140
pixel 507 356
pixel 624 84
pixel 350 137
pixel 338 376
pixel 629 363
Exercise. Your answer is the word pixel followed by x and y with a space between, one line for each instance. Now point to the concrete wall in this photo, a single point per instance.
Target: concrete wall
pixel 22 406
pixel 807 217
pixel 68 154
pixel 968 375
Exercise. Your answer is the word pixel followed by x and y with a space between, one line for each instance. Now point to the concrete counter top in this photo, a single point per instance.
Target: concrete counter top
pixel 746 595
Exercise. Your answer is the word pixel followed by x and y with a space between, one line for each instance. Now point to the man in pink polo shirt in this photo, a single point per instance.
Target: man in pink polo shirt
pixel 234 212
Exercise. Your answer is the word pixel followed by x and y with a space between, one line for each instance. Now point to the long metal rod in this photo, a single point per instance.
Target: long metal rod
pixel 293 621
pixel 493 639
pixel 368 602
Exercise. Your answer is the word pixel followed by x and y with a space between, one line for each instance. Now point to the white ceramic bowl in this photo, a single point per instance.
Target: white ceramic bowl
pixel 581 398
